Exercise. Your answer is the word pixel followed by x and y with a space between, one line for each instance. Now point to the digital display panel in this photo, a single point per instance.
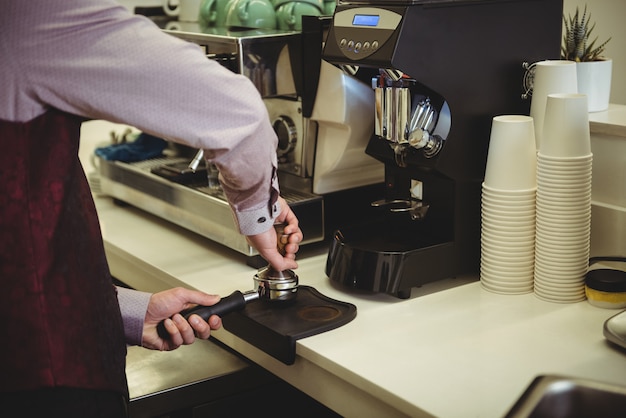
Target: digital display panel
pixel 365 20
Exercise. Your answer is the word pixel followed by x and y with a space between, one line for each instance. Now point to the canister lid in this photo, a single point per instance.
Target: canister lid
pixel 606 280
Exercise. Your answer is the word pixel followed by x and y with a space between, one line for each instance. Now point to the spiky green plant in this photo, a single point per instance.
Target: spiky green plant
pixel 576 46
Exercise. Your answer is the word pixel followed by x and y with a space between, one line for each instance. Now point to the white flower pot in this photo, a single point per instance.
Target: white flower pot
pixel 594 80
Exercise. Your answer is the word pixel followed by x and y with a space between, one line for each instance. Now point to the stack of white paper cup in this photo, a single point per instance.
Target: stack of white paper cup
pixel 508 207
pixel 563 200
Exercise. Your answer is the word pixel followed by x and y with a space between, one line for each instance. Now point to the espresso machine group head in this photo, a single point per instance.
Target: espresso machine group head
pixel 442 70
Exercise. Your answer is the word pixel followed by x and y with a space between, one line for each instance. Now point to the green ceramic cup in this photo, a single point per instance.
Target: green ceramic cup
pixel 213 12
pixel 251 14
pixel 289 15
pixel 329 7
pixel 317 3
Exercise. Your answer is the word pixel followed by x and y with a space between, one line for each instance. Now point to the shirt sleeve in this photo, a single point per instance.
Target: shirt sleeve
pixel 96 59
pixel 133 305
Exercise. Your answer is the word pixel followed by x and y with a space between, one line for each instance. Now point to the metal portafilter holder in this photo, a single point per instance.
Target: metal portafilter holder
pixel 271 285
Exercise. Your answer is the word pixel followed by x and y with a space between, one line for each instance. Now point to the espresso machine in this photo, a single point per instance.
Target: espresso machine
pixel 441 70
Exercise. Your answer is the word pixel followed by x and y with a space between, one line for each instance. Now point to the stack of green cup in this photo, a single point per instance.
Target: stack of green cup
pixel 248 14
pixel 262 14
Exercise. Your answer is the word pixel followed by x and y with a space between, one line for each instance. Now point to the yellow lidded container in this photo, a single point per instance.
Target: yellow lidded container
pixel 606 288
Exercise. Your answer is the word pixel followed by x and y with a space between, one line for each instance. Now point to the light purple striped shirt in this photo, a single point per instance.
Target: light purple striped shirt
pixel 95 59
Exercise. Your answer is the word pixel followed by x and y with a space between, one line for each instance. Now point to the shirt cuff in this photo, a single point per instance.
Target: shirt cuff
pixel 133 305
pixel 257 221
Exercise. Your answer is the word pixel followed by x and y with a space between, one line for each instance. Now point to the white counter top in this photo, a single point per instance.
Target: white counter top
pixel 609 122
pixel 460 352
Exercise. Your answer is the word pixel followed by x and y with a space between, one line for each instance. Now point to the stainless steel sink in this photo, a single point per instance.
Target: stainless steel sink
pixel 564 397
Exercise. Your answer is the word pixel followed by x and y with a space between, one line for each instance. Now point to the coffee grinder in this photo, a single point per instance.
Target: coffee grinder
pixel 441 70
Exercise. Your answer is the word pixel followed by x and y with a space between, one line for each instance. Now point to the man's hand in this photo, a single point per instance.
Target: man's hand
pixel 266 243
pixel 165 306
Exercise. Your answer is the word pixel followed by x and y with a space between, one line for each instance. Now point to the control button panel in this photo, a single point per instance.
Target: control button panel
pixel 359 32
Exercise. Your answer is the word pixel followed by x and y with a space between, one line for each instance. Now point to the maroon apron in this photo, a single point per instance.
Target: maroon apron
pixel 59 318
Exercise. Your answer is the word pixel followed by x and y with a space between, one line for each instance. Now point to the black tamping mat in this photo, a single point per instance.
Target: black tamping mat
pixel 274 327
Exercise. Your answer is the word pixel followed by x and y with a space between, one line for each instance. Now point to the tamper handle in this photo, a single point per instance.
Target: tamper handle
pixel 281 238
pixel 233 302
pixel 281 241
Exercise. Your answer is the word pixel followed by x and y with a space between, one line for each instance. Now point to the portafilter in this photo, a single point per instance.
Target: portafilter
pixel 271 285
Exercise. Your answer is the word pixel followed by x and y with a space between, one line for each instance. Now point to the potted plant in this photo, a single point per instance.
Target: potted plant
pixel 593 69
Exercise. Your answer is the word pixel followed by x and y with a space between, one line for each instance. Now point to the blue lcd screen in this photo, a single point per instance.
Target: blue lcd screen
pixel 365 20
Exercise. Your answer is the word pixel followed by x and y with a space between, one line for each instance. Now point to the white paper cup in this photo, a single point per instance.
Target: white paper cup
pixel 564 173
pixel 563 271
pixel 509 198
pixel 557 167
pixel 495 205
pixel 576 258
pixel 571 281
pixel 521 220
pixel 566 126
pixel 512 203
pixel 560 280
pixel 573 260
pixel 580 203
pixel 506 287
pixel 551 76
pixel 574 162
pixel 507 290
pixel 550 256
pixel 547 211
pixel 508 275
pixel 529 222
pixel 520 253
pixel 562 220
pixel 562 200
pixel 572 275
pixel 518 256
pixel 503 233
pixel 507 247
pixel 581 181
pixel 502 199
pixel 566 245
pixel 557 283
pixel 508 281
pixel 512 156
pixel 577 230
pixel 560 293
pixel 509 266
pixel 558 299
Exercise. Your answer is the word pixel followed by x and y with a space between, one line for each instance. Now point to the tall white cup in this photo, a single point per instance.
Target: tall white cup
pixel 185 10
pixel 512 155
pixel 566 126
pixel 551 76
